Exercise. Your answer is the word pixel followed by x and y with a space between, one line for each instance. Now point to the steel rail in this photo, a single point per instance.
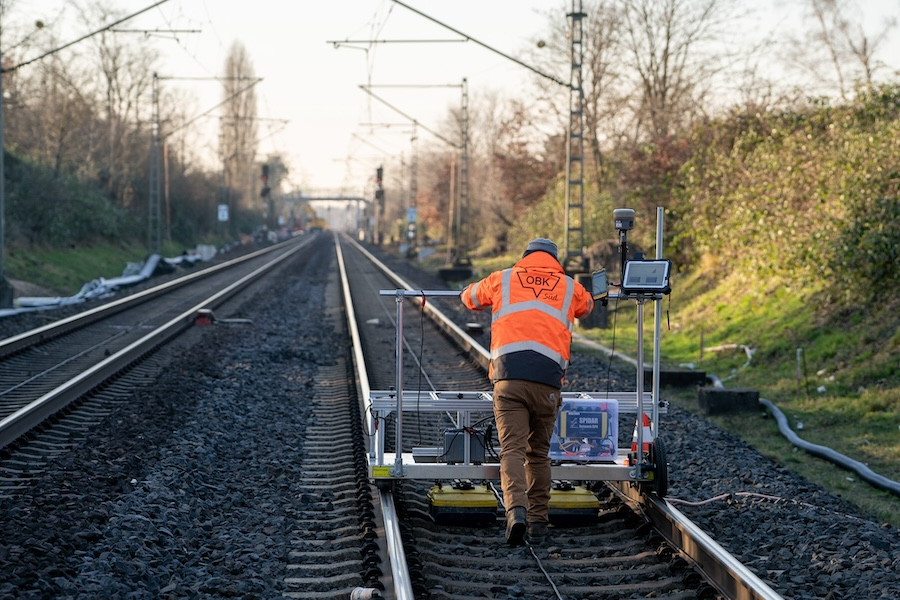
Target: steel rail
pixel 725 572
pixel 31 416
pixel 463 339
pixel 390 521
pixel 721 569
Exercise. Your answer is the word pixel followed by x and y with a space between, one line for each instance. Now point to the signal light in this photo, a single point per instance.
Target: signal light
pixel 265 173
pixel 378 173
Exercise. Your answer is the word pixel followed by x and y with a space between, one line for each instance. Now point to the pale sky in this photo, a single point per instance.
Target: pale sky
pixel 315 87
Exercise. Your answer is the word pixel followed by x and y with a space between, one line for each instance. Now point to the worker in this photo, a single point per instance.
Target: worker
pixel 534 305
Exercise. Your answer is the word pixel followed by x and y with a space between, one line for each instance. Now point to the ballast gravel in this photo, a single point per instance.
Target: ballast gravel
pixel 187 493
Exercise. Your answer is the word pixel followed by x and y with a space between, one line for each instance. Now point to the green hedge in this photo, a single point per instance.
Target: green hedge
pixel 43 208
pixel 801 195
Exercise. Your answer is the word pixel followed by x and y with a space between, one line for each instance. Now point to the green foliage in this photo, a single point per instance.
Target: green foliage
pixel 65 269
pixel 544 219
pixel 867 251
pixel 547 218
pixel 650 173
pixel 803 195
pixel 46 209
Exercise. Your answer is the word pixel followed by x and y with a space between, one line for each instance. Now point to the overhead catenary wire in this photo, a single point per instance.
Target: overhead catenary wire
pixel 366 89
pixel 212 77
pixel 486 47
pixel 203 114
pixel 82 38
pixel 339 43
pixel 149 32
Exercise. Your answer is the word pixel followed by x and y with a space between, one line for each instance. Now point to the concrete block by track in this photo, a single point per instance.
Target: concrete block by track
pixel 675 377
pixel 718 401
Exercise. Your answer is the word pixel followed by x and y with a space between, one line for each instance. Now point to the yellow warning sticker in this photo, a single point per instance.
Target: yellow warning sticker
pixel 381 471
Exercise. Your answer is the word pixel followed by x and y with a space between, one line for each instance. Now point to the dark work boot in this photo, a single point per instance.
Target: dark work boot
pixel 515 526
pixel 537 533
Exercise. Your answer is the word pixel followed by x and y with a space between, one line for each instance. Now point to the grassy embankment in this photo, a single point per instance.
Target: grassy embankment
pixel 63 270
pixel 841 390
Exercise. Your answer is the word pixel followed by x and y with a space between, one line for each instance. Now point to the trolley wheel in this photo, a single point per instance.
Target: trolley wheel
pixel 656 461
pixel 386 485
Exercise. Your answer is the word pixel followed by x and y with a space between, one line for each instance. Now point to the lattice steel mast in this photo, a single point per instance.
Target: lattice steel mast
pixel 575 259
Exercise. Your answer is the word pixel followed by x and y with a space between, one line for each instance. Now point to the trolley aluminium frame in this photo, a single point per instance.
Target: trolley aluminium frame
pixel 385 466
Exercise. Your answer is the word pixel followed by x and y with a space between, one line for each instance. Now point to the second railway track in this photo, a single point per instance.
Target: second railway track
pixel 46 369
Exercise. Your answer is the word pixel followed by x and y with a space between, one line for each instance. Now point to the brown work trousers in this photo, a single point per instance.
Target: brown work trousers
pixel 526 414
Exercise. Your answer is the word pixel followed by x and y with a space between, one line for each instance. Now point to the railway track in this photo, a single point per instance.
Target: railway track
pixel 621 555
pixel 216 483
pixel 245 472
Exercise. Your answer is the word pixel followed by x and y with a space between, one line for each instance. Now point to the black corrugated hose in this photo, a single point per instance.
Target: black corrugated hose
pixel 865 473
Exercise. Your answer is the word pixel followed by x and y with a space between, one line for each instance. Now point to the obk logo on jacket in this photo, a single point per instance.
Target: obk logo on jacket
pixel 539 283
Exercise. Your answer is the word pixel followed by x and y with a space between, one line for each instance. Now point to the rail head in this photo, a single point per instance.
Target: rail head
pixel 725 572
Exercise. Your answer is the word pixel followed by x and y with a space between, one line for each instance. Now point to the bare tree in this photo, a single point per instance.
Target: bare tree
pixel 239 125
pixel 850 53
pixel 126 67
pixel 604 96
pixel 50 116
pixel 488 203
pixel 63 114
pixel 525 167
pixel 602 75
pixel 77 122
pixel 665 40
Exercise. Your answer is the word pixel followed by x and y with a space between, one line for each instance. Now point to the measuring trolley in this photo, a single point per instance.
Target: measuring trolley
pixel 585 442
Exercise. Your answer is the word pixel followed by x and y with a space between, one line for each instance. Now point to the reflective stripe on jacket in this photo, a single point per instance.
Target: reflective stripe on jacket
pixel 534 305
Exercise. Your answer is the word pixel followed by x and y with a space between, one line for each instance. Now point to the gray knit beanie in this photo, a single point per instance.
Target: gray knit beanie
pixel 543 245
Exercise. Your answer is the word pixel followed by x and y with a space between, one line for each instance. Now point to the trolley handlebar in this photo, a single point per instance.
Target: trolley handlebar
pixel 414 293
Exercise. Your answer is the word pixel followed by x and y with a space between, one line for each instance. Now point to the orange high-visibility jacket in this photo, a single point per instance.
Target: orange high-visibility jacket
pixel 534 305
